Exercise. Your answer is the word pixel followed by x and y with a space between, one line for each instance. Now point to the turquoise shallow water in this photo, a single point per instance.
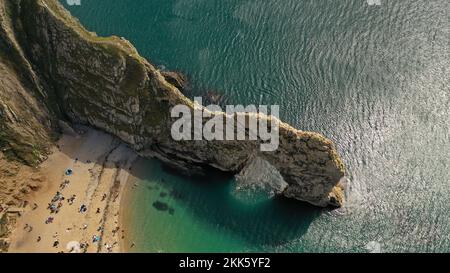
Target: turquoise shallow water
pixel 374 79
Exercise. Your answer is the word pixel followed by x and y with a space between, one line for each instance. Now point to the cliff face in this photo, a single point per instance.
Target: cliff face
pixel 25 127
pixel 52 68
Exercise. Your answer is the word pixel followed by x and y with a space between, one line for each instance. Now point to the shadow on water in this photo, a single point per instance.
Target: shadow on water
pixel 210 199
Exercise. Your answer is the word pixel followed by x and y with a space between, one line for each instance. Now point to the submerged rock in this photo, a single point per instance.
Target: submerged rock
pixel 162 194
pixel 164 207
pixel 161 206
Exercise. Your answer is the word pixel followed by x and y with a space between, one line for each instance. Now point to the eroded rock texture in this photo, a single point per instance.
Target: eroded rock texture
pixel 53 69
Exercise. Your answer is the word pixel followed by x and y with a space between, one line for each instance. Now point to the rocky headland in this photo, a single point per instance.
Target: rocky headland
pixel 55 72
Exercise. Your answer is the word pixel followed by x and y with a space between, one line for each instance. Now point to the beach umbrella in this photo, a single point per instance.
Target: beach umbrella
pixel 69 172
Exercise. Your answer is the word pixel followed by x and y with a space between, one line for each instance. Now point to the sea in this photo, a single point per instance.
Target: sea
pixel 373 76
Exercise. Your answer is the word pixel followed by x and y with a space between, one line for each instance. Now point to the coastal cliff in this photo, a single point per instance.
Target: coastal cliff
pixel 53 70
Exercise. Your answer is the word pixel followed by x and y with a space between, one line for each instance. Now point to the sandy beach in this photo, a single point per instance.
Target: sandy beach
pixel 84 179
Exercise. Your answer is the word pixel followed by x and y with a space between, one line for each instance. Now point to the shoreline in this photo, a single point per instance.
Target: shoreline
pixel 101 167
pixel 127 191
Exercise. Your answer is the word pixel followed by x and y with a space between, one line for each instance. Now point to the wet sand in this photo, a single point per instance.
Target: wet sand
pixel 101 166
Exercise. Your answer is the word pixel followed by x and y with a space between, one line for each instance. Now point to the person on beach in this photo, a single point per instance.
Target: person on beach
pixel 115 231
pixel 52 208
pixel 84 246
pixel 95 238
pixel 39 239
pixel 64 184
pixel 83 208
pixel 108 247
pixel 71 199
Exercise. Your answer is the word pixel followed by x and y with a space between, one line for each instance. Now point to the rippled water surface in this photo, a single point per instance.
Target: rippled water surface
pixel 374 79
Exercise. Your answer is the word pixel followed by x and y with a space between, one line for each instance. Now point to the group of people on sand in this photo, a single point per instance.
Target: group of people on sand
pixel 64 184
pixel 109 247
pixel 56 241
pixel 55 206
pixel 57 202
